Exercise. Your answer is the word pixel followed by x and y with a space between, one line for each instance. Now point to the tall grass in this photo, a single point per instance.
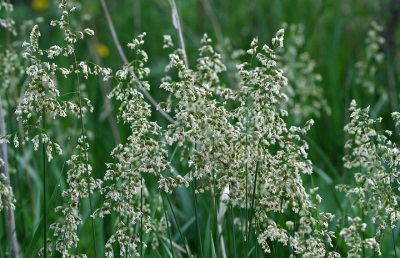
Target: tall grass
pixel 209 149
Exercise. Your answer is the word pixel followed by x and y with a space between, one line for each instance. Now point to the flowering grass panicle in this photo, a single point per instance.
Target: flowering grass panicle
pixel 6 195
pixel 366 70
pixel 42 97
pixel 374 160
pixel 257 157
pixel 125 191
pixel 66 231
pixel 202 121
pixel 7 22
pixel 274 157
pixel 45 98
pixel 352 237
pixel 11 69
pixel 305 94
pixel 228 176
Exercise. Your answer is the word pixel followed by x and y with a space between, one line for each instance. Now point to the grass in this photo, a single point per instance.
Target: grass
pixel 334 34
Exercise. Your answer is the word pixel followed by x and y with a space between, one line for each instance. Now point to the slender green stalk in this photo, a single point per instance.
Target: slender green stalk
pixel 197 218
pixel 246 187
pixel 253 200
pixel 86 156
pixel 88 178
pixel 215 212
pixel 233 231
pixel 177 24
pixel 125 60
pixel 394 243
pixel 44 184
pixel 247 215
pixel 168 227
pixel 177 225
pixel 141 217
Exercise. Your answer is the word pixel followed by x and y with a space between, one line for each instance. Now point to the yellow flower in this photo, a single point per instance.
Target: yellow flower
pixel 102 50
pixel 40 5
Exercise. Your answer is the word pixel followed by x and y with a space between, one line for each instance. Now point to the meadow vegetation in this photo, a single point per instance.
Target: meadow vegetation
pixel 199 129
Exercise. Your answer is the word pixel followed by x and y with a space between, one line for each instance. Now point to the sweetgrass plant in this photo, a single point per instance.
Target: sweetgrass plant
pixel 41 101
pixel 366 70
pixel 374 161
pixel 229 153
pixel 126 190
pixel 305 94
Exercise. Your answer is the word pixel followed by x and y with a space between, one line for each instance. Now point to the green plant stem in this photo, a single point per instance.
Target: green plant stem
pixel 168 227
pixel 233 230
pixel 44 185
pixel 394 243
pixel 177 24
pixel 197 218
pixel 253 200
pixel 246 186
pixel 141 217
pixel 11 234
pixel 153 102
pixel 88 177
pixel 176 222
pixel 86 159
pixel 215 212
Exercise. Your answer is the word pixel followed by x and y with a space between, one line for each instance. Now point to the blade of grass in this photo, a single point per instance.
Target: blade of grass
pixel 177 24
pixel 253 201
pixel 43 144
pixel 213 252
pixel 323 156
pixel 198 233
pixel 39 229
pixel 233 231
pixel 176 223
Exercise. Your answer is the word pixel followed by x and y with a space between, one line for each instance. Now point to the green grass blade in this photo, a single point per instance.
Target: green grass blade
pixel 213 252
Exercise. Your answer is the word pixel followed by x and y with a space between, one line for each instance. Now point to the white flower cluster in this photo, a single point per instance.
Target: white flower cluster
pixel 353 239
pixel 366 70
pixel 10 68
pixel 6 195
pixel 79 176
pixel 305 94
pixel 126 194
pixel 375 160
pixel 7 22
pixel 257 154
pixel 42 96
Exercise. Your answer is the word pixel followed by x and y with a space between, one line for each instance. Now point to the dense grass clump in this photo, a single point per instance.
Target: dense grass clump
pixel 212 148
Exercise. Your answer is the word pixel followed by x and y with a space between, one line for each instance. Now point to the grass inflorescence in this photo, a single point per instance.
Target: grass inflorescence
pixel 206 151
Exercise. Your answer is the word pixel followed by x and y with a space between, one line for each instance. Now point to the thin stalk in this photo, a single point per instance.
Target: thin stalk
pixel 177 24
pixel 141 217
pixel 246 185
pixel 212 189
pixel 197 218
pixel 11 234
pixel 8 212
pixel 168 227
pixel 86 157
pixel 177 225
pixel 87 175
pixel 105 89
pixel 253 200
pixel 233 231
pixel 394 243
pixel 153 102
pixel 44 184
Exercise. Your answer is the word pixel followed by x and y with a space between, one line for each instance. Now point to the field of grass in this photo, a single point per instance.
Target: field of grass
pixel 273 136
